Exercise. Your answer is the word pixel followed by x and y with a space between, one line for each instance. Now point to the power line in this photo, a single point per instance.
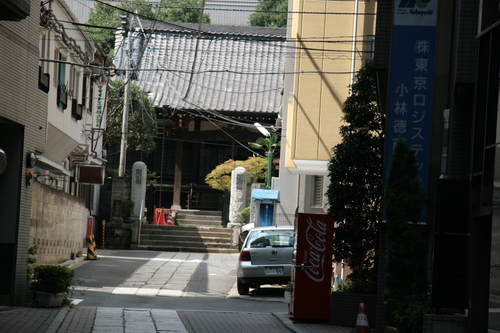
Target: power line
pixel 189 71
pixel 159 5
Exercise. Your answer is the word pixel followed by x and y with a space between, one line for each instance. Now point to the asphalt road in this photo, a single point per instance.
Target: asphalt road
pixel 169 280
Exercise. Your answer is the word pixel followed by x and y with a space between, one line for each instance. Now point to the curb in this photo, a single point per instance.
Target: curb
pixel 74 262
pixel 285 320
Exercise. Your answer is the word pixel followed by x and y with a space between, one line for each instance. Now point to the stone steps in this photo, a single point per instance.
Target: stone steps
pixel 198 218
pixel 194 231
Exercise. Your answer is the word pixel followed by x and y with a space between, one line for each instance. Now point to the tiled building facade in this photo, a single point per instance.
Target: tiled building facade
pixel 23 121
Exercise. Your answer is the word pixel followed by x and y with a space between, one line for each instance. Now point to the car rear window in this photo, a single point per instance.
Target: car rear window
pixel 272 237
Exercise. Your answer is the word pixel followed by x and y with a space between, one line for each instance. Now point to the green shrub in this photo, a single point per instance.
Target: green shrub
pixel 32 251
pixel 360 281
pixel 409 313
pixel 52 279
pixel 245 215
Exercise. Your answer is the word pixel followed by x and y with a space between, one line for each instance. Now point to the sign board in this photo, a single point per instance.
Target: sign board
pixel 90 174
pixel 409 113
pixel 99 106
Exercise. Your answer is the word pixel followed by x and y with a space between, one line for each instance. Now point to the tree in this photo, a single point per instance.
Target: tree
pixel 187 11
pixel 355 171
pixel 406 240
pixel 270 13
pixel 109 16
pixel 269 145
pixel 142 118
pixel 220 177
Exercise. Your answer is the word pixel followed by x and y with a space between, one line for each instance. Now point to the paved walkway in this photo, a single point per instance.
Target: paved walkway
pixel 164 275
pixel 118 320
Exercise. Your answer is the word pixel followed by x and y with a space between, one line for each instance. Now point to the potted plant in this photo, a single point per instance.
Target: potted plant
pixel 51 284
pixel 288 292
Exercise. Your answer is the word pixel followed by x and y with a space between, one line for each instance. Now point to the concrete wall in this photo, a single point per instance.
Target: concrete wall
pixel 58 224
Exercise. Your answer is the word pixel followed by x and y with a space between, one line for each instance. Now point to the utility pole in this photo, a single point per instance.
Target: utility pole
pixel 123 146
pixel 269 155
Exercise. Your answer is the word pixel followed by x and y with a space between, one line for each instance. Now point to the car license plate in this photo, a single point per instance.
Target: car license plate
pixel 273 270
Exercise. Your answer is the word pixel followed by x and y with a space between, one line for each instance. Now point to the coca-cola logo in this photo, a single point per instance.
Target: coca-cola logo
pixel 315 256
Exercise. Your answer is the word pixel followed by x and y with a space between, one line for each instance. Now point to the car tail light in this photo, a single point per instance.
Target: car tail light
pixel 245 256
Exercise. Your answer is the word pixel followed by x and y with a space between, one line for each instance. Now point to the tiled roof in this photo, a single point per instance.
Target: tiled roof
pixel 236 68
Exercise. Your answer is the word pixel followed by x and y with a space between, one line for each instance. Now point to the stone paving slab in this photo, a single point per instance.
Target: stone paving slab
pixel 231 322
pixel 126 320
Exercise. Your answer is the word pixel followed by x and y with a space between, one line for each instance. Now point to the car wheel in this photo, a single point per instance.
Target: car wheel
pixel 243 288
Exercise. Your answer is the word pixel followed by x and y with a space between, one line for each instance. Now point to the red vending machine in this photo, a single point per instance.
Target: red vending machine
pixel 312 267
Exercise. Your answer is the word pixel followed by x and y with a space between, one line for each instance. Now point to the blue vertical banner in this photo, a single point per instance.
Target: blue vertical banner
pixel 411 86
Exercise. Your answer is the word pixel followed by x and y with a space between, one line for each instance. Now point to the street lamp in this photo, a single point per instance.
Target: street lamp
pixel 266 133
pixel 262 129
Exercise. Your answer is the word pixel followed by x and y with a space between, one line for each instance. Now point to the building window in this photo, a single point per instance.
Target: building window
pixel 317 191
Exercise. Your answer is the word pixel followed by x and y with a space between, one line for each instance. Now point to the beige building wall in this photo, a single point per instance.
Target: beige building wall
pixel 320 67
pixel 323 66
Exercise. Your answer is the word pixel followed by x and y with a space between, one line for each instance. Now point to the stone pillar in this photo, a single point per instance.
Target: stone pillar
pixel 138 196
pixel 238 194
pixel 138 188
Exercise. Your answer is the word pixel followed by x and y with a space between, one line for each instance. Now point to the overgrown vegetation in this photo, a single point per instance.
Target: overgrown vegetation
pixel 142 123
pixel 187 11
pixel 406 241
pixel 270 13
pixel 270 146
pixel 220 177
pixel 355 170
pixel 103 15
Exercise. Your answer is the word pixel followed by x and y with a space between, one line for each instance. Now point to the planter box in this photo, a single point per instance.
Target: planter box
pixel 344 308
pixel 49 300
pixel 287 296
pixel 445 323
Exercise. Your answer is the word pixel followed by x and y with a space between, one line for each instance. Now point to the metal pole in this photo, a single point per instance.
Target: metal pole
pixel 123 146
pixel 103 233
pixel 354 41
pixel 269 165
